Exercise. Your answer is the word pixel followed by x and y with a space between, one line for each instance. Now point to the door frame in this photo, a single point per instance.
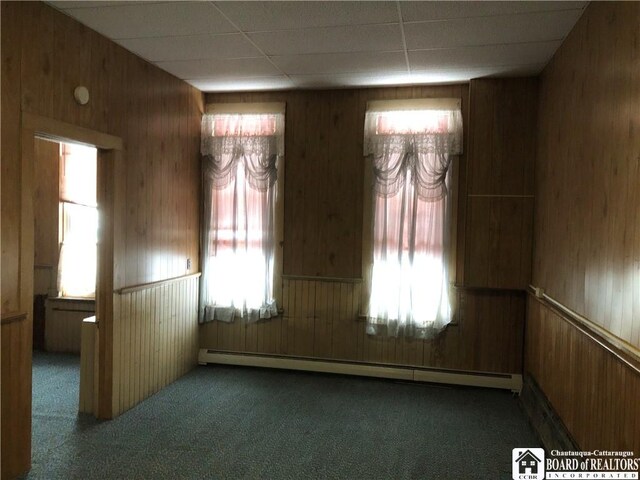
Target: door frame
pixel 111 192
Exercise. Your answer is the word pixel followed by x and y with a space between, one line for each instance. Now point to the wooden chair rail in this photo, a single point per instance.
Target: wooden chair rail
pixel 13 317
pixel 624 352
pixel 159 283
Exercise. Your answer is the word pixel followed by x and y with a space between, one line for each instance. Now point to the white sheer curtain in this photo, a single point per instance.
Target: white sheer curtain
pixel 240 155
pixel 411 152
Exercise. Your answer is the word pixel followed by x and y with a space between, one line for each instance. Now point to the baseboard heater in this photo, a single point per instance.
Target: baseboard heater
pixel 511 382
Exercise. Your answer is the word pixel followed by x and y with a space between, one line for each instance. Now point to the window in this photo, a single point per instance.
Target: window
pixel 409 145
pixel 78 221
pixel 243 150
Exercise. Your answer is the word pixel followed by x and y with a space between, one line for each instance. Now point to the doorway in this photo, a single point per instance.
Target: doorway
pixel 65 243
pixel 109 196
pixel 65 260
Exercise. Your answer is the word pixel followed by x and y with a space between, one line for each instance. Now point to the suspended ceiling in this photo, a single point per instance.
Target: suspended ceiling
pixel 235 46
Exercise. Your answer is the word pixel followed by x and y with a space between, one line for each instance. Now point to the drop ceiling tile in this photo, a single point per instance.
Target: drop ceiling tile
pixel 485 56
pixel 464 74
pixel 330 63
pixel 369 38
pixel 426 11
pixel 220 68
pixel 350 80
pixel 243 84
pixel 533 27
pixel 269 16
pixel 193 47
pixel 433 76
pixel 153 19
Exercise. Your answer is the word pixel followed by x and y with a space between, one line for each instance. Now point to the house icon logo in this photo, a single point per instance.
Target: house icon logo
pixel 528 463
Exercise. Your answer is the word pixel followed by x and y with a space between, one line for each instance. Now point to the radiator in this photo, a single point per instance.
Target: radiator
pixel 511 382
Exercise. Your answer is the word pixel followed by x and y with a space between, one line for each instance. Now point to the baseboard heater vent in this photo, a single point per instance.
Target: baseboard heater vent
pixel 511 382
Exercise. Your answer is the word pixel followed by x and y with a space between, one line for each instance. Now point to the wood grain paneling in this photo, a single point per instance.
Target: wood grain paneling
pixel 155 339
pixel 594 393
pixel 321 321
pixel 46 197
pixel 499 177
pixel 587 213
pixel 498 242
pixel 45 55
pixel 10 149
pixel 502 141
pixel 16 397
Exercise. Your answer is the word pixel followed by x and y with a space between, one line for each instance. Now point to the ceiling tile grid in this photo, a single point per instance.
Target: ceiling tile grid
pixel 258 45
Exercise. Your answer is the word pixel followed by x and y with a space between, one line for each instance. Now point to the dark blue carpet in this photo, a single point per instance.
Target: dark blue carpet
pixel 227 423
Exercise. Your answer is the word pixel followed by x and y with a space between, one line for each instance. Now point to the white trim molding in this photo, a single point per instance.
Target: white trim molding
pixel 512 382
pixel 414 104
pixel 245 108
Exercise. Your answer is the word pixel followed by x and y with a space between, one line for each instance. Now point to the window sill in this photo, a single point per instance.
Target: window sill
pixel 73 299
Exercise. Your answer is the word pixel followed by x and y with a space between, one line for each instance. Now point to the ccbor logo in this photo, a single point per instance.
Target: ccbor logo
pixel 528 463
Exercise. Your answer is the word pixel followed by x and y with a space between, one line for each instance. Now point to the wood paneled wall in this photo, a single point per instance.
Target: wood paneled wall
pixel 46 197
pixel 321 321
pixel 156 339
pixel 499 203
pixel 594 393
pixel 587 229
pixel 45 55
pixel 587 225
pixel 16 395
pixel 324 193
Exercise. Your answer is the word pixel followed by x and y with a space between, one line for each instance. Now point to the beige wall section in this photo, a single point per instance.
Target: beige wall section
pixel 587 228
pixel 155 339
pixel 587 225
pixel 45 55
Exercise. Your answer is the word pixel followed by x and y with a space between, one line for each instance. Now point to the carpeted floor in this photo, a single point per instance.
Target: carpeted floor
pixel 226 423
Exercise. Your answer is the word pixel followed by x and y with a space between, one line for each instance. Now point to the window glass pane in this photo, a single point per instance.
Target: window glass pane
pixel 78 170
pixel 244 125
pixel 80 223
pixel 238 263
pixel 412 121
pixel 78 250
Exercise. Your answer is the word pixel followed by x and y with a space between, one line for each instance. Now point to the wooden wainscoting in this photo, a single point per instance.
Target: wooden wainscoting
pixel 155 338
pixel 63 323
pixel 16 394
pixel 591 387
pixel 321 320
